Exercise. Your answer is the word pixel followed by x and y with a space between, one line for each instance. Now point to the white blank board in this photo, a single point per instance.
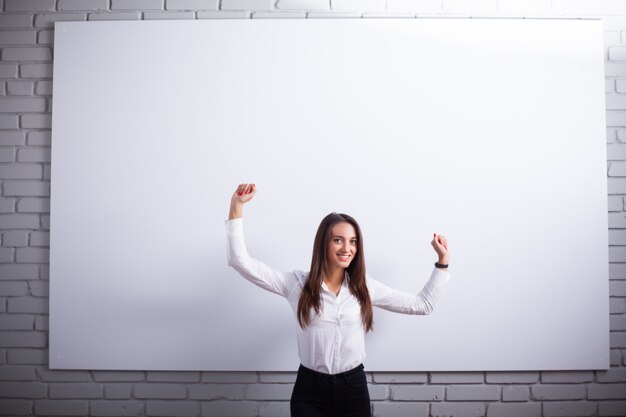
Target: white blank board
pixel 490 132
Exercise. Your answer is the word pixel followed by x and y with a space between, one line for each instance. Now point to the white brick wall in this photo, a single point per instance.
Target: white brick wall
pixel 247 4
pixel 191 4
pixel 415 6
pixel 28 387
pixel 137 4
pixel 306 5
pixel 358 5
pixel 28 5
pixel 68 5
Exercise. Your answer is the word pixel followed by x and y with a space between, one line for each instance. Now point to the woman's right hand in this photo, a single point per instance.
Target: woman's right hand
pixel 243 194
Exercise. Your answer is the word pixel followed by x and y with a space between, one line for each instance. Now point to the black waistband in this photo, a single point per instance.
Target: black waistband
pixel 305 370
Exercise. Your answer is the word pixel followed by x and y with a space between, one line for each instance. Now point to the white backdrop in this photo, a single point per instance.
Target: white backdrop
pixel 490 132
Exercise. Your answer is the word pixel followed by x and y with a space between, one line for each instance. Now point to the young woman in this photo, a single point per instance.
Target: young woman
pixel 333 306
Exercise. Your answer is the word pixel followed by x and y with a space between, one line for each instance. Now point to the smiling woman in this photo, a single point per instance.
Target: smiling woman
pixel 333 306
pixel 337 254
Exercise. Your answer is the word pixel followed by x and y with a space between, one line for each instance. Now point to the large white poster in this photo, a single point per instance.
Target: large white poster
pixel 490 132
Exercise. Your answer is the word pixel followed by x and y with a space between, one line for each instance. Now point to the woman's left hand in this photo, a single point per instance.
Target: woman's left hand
pixel 440 244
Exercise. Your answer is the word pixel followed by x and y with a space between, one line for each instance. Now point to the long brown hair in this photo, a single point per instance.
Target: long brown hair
pixel 310 296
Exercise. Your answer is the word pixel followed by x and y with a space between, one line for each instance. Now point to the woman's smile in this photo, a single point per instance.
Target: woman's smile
pixel 344 257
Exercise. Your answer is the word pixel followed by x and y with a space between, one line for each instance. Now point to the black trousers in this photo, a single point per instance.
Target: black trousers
pixel 316 394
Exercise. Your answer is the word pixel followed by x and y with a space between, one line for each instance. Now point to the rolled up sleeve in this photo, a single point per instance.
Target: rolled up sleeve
pixel 403 302
pixel 255 271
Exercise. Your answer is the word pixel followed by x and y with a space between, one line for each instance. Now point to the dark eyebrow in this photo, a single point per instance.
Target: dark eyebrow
pixel 341 237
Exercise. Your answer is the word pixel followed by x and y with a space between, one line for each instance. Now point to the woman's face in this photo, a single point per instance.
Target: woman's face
pixel 342 246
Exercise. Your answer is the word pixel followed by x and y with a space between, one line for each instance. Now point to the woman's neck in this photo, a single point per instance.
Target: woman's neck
pixel 336 276
pixel 335 280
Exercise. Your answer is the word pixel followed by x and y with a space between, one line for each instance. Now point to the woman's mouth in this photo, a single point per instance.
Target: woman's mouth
pixel 343 258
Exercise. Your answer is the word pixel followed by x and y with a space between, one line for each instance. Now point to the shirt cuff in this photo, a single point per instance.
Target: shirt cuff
pixel 234 226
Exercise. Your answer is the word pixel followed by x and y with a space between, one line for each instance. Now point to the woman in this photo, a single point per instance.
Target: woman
pixel 333 306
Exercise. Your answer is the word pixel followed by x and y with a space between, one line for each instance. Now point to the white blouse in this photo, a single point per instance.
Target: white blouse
pixel 333 342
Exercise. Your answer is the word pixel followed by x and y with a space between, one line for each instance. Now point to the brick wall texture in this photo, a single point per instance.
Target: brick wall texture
pixel 28 387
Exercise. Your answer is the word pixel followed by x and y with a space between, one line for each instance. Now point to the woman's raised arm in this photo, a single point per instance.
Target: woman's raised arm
pixel 255 271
